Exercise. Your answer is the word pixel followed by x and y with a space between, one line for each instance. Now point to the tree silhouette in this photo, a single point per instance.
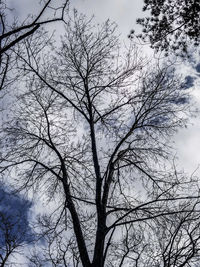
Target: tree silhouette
pixel 171 25
pixel 13 33
pixel 92 130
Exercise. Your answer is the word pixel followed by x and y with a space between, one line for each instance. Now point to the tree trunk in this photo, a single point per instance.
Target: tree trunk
pixel 98 260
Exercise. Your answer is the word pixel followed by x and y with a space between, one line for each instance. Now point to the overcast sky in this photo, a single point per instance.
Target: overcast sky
pixel 125 13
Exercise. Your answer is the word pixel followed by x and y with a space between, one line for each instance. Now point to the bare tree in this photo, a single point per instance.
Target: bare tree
pixel 178 239
pixel 11 33
pixel 57 246
pixel 92 130
pixel 15 232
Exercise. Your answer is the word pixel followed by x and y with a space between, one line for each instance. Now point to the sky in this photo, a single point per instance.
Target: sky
pixel 187 141
pixel 125 13
pixel 14 223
